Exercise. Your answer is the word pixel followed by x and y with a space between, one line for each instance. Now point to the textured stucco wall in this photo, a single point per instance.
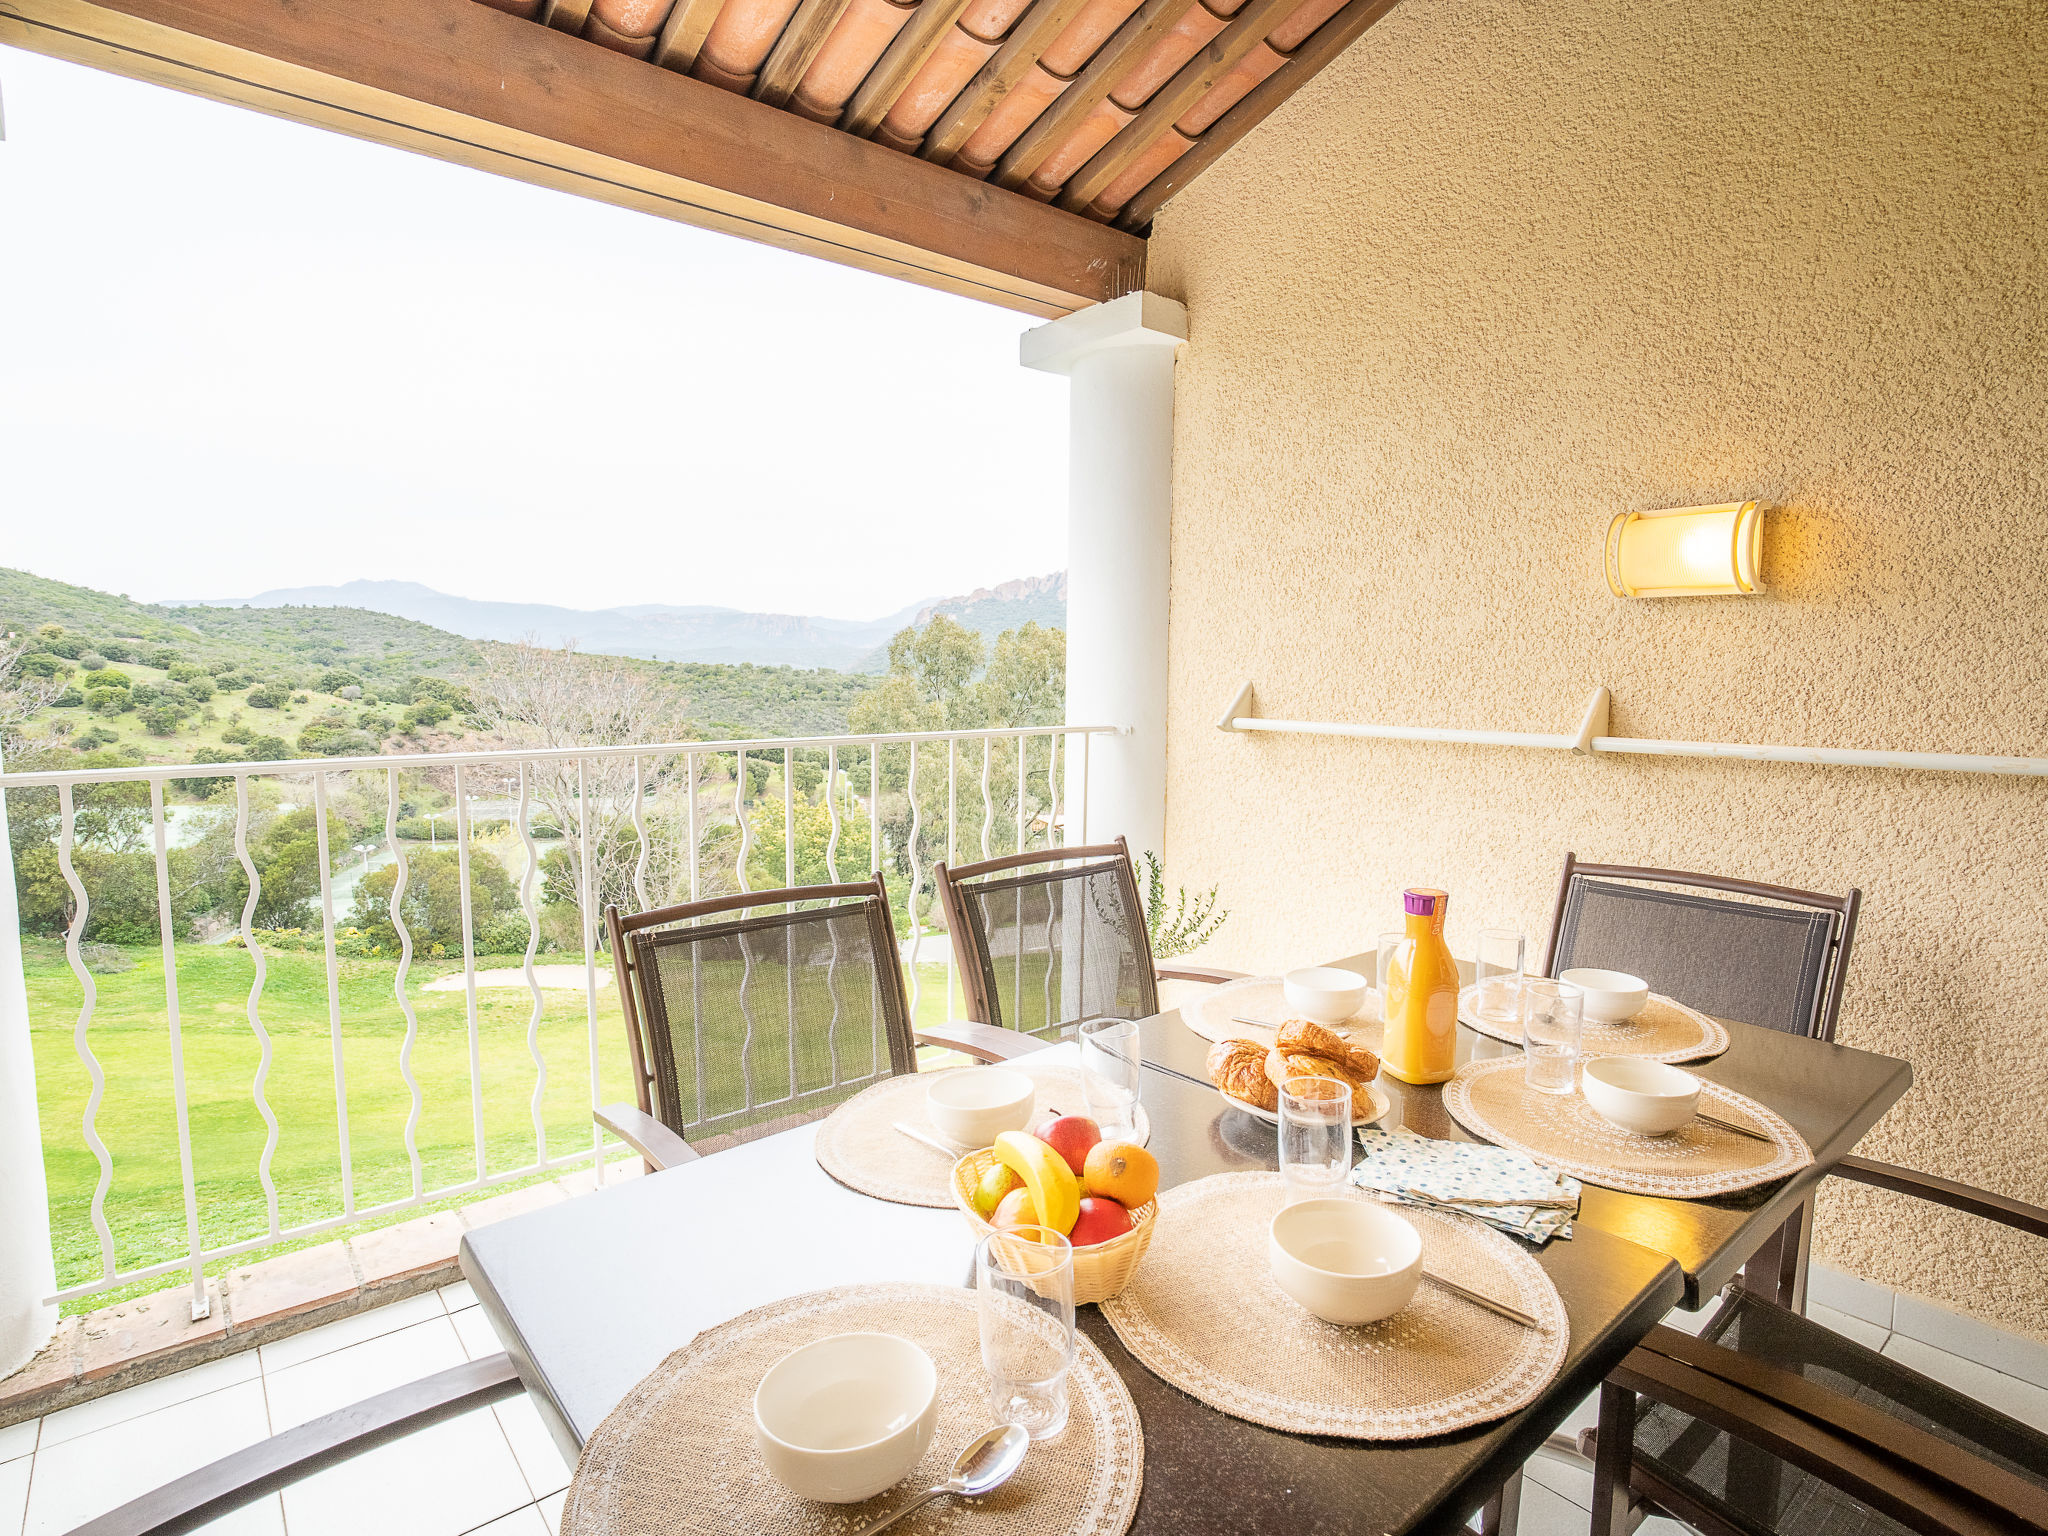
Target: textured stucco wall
pixel 1508 268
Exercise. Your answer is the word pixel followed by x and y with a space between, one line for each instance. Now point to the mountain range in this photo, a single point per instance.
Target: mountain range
pixel 693 633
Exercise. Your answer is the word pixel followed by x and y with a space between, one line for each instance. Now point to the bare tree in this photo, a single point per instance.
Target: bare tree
pixel 20 696
pixel 535 697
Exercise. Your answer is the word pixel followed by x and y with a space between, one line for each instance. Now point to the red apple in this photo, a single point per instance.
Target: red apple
pixel 1101 1219
pixel 1015 1210
pixel 1072 1136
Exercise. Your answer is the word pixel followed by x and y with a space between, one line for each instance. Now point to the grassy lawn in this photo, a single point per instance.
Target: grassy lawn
pixel 136 1117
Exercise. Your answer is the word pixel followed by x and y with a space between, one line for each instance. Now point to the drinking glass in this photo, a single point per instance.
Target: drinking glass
pixel 1315 1137
pixel 1110 1075
pixel 1553 1013
pixel 1024 1292
pixel 1389 942
pixel 1498 971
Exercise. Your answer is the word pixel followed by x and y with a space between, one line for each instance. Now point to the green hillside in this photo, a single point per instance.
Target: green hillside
pixel 218 684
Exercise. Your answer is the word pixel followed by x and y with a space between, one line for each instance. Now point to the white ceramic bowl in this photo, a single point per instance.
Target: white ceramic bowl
pixel 1324 993
pixel 973 1106
pixel 1345 1260
pixel 841 1419
pixel 1612 997
pixel 1650 1098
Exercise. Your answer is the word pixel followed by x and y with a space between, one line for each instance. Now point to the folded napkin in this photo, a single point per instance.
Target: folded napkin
pixel 1498 1185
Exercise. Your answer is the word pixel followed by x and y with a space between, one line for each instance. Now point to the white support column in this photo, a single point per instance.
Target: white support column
pixel 1119 357
pixel 28 1273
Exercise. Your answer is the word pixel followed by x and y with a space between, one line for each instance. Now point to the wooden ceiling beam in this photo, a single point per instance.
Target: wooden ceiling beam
pixel 1168 104
pixel 471 84
pixel 794 50
pixel 904 57
pixel 1045 21
pixel 1323 45
pixel 682 35
pixel 1150 22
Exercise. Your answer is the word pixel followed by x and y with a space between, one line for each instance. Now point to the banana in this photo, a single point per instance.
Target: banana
pixel 1055 1194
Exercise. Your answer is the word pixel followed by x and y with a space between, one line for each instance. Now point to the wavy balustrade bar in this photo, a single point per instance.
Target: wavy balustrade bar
pixel 586 788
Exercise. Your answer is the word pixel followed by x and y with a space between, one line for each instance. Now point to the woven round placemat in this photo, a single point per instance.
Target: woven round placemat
pixel 1215 1013
pixel 1204 1313
pixel 1490 1099
pixel 859 1145
pixel 1666 1030
pixel 678 1455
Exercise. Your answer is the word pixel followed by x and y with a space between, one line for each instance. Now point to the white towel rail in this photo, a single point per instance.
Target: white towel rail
pixel 1591 738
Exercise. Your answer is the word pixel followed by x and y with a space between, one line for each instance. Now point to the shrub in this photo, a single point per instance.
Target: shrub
pixel 376 724
pixel 232 681
pixel 336 680
pixel 41 664
pixel 106 677
pixel 199 689
pixel 161 720
pixel 239 735
pixel 146 694
pixel 116 650
pixel 93 738
pixel 185 671
pixel 70 647
pixel 93 661
pixel 269 696
pixel 70 698
pixel 336 738
pixel 163 656
pixel 267 749
pixel 429 711
pixel 299 698
pixel 349 691
pixel 220 669
pixel 108 701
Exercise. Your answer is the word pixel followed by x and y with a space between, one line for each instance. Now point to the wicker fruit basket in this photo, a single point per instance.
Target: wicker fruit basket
pixel 1101 1269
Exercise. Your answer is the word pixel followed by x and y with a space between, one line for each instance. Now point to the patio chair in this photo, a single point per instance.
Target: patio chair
pixel 750 1013
pixel 1769 1423
pixel 1767 955
pixel 1048 938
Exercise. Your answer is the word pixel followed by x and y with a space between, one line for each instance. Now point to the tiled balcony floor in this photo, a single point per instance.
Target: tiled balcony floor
pixel 495 1471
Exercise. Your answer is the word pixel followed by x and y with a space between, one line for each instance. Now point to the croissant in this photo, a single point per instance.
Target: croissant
pixel 1238 1067
pixel 1280 1065
pixel 1310 1039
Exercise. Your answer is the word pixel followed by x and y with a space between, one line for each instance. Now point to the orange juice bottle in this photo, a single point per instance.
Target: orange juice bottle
pixel 1421 1005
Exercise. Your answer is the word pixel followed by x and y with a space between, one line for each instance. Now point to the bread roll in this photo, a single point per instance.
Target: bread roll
pixel 1238 1067
pixel 1302 1037
pixel 1281 1065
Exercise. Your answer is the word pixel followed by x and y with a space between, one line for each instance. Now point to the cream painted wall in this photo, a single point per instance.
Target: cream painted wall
pixel 1508 268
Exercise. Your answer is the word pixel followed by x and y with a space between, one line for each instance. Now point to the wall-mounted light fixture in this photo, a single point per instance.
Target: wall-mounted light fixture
pixel 1686 551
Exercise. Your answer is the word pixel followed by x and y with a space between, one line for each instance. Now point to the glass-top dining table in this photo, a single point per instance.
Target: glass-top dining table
pixel 591 1294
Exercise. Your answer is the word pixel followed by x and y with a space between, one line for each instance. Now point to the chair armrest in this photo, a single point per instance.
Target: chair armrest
pixel 1172 972
pixel 655 1142
pixel 984 1042
pixel 1961 1197
pixel 1892 1465
pixel 190 1501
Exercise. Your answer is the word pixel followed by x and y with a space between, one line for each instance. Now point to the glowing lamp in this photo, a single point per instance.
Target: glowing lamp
pixel 1686 551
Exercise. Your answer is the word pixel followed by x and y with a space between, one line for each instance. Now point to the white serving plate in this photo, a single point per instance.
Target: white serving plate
pixel 1380 1105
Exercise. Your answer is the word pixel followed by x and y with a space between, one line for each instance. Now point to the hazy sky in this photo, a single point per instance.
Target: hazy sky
pixel 239 353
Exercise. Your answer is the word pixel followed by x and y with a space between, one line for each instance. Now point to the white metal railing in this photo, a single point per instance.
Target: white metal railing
pixel 1591 738
pixel 675 766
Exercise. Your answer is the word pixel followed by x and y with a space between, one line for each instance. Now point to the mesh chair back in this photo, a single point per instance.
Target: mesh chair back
pixel 1752 1491
pixel 1774 965
pixel 750 1021
pixel 1045 948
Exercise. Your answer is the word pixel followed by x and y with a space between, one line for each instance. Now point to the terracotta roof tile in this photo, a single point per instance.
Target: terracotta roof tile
pixel 739 40
pixel 932 89
pixel 1135 177
pixel 1220 98
pixel 1013 114
pixel 1066 54
pixel 1162 61
pixel 865 29
pixel 1094 131
pixel 1301 22
pixel 631 18
pixel 634 47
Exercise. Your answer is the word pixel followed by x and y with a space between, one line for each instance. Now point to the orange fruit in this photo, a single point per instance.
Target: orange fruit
pixel 1121 1171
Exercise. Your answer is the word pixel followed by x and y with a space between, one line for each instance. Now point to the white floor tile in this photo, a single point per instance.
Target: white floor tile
pixel 551 1512
pixel 1566 1479
pixel 444 1480
pixel 1869 1335
pixel 534 1447
pixel 2008 1394
pixel 479 1338
pixel 457 1296
pixel 147 1397
pixel 521 1522
pixel 1959 1334
pixel 1548 1514
pixel 1851 1294
pixel 94 1473
pixel 13 1493
pixel 298 1348
pixel 331 1381
pixel 17 1440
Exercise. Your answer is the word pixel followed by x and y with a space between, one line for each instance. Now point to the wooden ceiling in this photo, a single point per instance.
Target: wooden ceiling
pixel 1016 150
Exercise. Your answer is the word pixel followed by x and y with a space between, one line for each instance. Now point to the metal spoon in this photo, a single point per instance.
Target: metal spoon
pixel 989 1461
